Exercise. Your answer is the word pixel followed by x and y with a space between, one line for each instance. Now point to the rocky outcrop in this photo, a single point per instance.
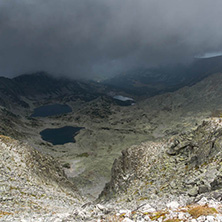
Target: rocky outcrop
pixel 32 184
pixel 189 164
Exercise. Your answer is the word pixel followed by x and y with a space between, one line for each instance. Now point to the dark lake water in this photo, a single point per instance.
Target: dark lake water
pixel 60 136
pixel 51 110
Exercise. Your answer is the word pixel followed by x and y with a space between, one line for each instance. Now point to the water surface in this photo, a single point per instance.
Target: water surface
pixel 60 136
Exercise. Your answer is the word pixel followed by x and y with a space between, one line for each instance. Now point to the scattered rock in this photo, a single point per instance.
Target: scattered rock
pixel 173 205
pixel 193 191
pixel 147 209
pixel 127 220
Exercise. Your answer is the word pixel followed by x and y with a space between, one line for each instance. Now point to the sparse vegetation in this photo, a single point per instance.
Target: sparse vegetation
pixel 217 113
pixel 83 155
pixel 3 213
pixel 172 220
pixel 159 214
pixel 198 211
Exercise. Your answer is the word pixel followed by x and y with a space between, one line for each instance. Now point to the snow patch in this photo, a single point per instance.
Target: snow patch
pixel 123 98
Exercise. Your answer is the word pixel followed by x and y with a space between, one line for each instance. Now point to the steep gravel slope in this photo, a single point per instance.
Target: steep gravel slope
pixel 32 185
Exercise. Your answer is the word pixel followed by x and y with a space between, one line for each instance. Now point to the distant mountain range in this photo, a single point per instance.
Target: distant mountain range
pixel 153 81
pixel 139 82
pixel 44 85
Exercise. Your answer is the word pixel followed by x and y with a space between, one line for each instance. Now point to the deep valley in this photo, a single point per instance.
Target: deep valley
pixel 94 130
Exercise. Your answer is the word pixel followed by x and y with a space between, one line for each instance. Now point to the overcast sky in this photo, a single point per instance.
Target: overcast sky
pixel 87 38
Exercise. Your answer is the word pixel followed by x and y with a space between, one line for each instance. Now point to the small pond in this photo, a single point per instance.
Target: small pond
pixel 123 101
pixel 60 136
pixel 51 110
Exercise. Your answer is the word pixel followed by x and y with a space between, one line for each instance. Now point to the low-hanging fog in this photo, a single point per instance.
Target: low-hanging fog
pixel 85 38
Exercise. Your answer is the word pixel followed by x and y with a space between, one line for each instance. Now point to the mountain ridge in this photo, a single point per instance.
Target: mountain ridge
pixel 159 80
pixel 43 85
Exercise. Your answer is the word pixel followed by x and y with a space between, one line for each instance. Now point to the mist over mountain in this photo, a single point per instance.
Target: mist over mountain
pixel 43 85
pixel 152 81
pixel 85 39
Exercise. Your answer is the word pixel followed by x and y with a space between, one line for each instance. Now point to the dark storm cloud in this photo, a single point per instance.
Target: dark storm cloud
pixel 85 38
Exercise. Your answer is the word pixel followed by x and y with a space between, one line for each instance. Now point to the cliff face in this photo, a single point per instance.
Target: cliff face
pixel 189 164
pixel 32 183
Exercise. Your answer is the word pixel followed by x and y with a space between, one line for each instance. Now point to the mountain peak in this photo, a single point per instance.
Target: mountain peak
pixel 33 76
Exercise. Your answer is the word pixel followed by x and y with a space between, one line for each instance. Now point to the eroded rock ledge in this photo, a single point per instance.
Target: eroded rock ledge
pixel 189 164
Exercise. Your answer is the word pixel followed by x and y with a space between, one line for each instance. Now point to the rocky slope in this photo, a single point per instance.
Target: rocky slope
pixel 182 161
pixel 188 164
pixel 171 180
pixel 32 185
pixel 110 128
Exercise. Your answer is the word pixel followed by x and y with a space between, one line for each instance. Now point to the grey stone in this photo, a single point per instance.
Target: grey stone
pixel 193 191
